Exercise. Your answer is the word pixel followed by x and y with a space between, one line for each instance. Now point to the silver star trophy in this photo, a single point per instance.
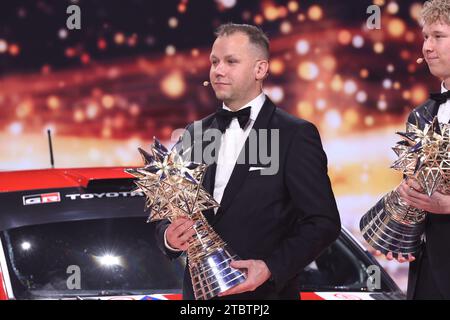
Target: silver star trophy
pixel 173 189
pixel 423 155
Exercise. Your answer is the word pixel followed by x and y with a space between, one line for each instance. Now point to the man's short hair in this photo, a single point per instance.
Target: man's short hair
pixel 255 35
pixel 435 11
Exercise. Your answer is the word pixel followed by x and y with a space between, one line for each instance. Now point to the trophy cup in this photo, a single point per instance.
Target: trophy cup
pixel 423 154
pixel 173 188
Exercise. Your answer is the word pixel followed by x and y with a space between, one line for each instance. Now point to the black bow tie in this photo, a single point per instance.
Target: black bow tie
pixel 224 117
pixel 440 98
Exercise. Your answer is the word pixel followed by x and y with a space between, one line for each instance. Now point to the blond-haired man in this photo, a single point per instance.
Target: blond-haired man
pixel 429 275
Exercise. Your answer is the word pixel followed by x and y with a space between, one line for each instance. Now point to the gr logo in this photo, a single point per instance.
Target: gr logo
pixel 374 280
pixel 41 198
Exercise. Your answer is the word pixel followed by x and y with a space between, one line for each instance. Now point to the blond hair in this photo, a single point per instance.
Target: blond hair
pixel 435 11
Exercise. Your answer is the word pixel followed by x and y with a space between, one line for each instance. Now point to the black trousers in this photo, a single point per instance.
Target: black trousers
pixel 426 288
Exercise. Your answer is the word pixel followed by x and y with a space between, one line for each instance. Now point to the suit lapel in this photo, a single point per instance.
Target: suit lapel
pixel 431 109
pixel 426 115
pixel 240 171
pixel 209 179
pixel 210 174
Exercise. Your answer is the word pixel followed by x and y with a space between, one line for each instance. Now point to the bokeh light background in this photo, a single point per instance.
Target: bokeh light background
pixel 135 70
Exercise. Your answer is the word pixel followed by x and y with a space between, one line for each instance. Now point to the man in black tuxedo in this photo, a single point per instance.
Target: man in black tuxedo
pixel 277 218
pixel 429 274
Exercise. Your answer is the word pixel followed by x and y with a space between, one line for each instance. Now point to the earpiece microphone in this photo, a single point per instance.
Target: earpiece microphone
pixel 420 60
pixel 205 83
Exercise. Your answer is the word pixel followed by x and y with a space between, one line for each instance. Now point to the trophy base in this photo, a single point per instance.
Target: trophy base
pixel 384 233
pixel 213 274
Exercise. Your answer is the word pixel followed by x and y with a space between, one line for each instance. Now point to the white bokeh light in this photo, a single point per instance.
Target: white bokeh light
pixel 15 128
pixel 333 119
pixel 109 260
pixel 358 41
pixel 361 97
pixel 382 105
pixel 387 83
pixel 302 47
pixel 321 104
pixel 26 245
pixel 3 46
pixel 62 33
pixel 227 3
pixel 276 94
pixel 350 87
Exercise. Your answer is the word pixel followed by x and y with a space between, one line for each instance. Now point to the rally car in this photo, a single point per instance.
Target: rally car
pixel 82 234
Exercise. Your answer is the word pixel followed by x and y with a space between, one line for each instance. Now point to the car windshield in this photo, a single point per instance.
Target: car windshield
pixel 343 267
pixel 89 257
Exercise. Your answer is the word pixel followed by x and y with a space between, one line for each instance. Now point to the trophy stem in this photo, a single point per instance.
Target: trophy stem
pixel 209 260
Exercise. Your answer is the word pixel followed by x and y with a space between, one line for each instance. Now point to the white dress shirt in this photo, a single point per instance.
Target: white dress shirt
pixel 231 144
pixel 443 117
pixel 444 109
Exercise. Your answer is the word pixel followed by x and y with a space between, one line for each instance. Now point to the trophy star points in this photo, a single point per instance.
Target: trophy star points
pixel 392 225
pixel 172 185
pixel 421 150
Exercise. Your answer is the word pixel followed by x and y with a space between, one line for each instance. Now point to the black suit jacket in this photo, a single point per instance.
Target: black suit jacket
pixel 286 219
pixel 437 230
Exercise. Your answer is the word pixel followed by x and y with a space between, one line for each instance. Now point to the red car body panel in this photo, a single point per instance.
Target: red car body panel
pixel 3 295
pixel 310 296
pixel 56 178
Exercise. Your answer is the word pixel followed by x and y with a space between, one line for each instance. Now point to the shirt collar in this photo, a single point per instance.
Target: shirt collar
pixel 443 88
pixel 256 105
